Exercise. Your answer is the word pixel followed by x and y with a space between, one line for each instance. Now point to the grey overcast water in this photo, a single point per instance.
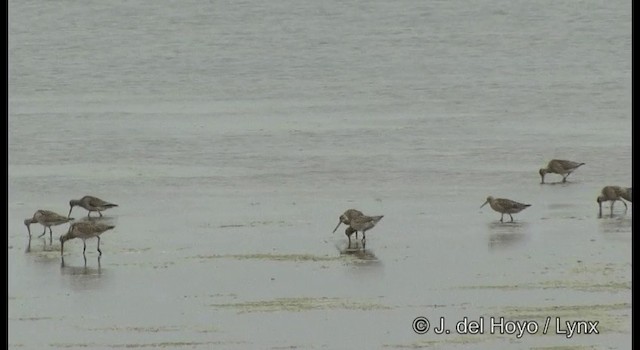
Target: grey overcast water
pixel 232 134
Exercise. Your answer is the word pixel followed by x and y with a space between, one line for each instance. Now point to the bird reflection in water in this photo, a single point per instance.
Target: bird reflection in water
pixel 44 247
pixel 506 235
pixel 81 270
pixel 358 250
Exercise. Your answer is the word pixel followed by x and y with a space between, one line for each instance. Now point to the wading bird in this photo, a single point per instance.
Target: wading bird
pixel 91 203
pixel 46 218
pixel 559 166
pixel 613 194
pixel 505 206
pixel 84 230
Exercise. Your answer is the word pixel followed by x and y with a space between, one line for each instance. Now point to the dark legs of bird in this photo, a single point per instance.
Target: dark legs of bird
pixel 89 214
pixel 501 216
pixel 50 236
pixel 43 232
pixel 100 214
pixel 600 211
pixel 84 243
pixel 99 251
pixel 364 238
pixel 511 217
pixel 612 203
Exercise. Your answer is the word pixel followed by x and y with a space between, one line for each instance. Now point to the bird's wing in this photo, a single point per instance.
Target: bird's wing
pixel 49 215
pixel 97 202
pixel 509 204
pixel 568 165
pixel 557 166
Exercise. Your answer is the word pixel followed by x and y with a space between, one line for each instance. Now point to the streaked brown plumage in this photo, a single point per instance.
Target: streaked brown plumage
pixel 613 194
pixel 46 218
pixel 347 216
pixel 559 166
pixel 505 206
pixel 84 230
pixel 91 203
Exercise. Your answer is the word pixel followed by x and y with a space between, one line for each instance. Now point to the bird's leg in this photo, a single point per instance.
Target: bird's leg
pixel 511 217
pixel 43 232
pixel 356 234
pixel 612 203
pixel 501 215
pixel 89 214
pixel 625 205
pixel 50 235
pixel 99 212
pixel 600 211
pixel 99 251
pixel 84 243
pixel 363 236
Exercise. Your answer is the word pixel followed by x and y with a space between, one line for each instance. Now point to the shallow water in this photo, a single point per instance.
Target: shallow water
pixel 233 135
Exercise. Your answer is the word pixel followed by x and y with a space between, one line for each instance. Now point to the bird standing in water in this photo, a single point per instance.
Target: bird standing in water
pixel 505 206
pixel 46 218
pixel 91 203
pixel 84 230
pixel 559 166
pixel 613 194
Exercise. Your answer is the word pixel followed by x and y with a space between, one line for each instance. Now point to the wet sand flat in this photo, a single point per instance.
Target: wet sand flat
pixel 197 263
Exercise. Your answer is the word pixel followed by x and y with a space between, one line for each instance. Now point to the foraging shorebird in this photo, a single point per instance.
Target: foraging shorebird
pixel 347 216
pixel 91 204
pixel 362 223
pixel 46 218
pixel 84 230
pixel 613 194
pixel 559 166
pixel 505 206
